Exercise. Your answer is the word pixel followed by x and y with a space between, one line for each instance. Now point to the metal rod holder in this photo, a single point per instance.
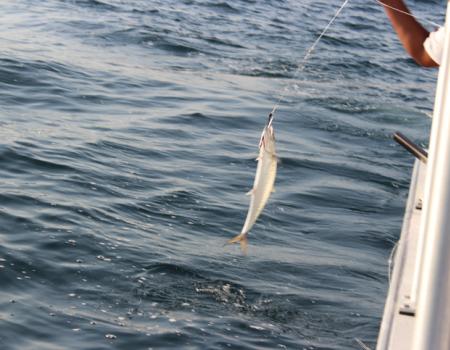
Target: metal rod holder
pixel 411 147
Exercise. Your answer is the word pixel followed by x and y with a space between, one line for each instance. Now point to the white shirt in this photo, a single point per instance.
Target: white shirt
pixel 434 44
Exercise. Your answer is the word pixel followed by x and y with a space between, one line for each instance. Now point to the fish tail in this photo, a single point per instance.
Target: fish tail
pixel 242 239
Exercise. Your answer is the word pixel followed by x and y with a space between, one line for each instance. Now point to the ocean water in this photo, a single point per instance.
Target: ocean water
pixel 128 133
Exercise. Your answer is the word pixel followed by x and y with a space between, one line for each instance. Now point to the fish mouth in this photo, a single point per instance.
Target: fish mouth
pixel 267 132
pixel 269 126
pixel 270 119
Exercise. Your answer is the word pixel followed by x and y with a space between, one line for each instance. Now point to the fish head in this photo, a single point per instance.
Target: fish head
pixel 267 140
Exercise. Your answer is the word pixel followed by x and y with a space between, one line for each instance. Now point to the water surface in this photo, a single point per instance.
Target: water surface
pixel 128 132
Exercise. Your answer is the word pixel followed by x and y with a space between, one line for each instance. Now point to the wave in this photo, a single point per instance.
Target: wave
pixel 16 161
pixel 95 4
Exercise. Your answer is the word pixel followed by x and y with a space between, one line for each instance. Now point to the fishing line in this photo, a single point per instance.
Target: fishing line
pixel 313 46
pixel 420 19
pixel 306 57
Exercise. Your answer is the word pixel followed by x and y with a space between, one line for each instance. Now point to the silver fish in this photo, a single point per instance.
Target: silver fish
pixel 263 185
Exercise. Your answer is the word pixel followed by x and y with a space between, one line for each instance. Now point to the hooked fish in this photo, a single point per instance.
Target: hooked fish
pixel 266 171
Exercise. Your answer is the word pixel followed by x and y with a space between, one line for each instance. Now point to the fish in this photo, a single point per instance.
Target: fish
pixel 263 184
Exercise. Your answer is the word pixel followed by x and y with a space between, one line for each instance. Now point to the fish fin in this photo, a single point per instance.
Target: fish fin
pixel 249 193
pixel 242 239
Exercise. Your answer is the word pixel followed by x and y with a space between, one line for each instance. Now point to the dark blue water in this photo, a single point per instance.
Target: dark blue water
pixel 128 132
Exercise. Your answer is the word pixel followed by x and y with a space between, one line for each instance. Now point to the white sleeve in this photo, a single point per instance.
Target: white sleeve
pixel 434 44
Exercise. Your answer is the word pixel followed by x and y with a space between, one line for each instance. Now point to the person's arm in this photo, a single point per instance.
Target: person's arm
pixel 410 32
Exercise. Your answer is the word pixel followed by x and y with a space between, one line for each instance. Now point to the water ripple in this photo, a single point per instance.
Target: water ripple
pixel 128 140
